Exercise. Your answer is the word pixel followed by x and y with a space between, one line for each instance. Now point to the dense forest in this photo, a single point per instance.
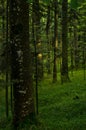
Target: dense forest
pixel 42 65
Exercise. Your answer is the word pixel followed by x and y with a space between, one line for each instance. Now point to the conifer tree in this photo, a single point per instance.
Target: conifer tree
pixel 23 101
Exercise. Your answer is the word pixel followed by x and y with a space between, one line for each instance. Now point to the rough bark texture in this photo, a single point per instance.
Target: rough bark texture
pixel 20 62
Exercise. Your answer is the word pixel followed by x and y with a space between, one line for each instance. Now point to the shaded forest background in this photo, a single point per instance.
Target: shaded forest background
pixel 41 42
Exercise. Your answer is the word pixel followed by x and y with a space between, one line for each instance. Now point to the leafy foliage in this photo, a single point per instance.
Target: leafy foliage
pixel 74 4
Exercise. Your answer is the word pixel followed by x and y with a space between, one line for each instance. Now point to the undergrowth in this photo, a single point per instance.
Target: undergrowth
pixel 61 107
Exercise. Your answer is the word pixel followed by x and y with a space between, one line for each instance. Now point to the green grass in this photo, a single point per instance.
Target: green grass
pixel 61 107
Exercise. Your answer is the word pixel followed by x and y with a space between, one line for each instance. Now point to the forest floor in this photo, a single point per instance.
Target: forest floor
pixel 61 107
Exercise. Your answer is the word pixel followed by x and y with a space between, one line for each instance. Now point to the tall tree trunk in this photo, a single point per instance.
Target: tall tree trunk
pixel 35 55
pixel 55 40
pixel 5 41
pixel 64 69
pixel 76 58
pixel 48 39
pixel 71 49
pixel 36 11
pixel 21 62
pixel 72 58
pixel 7 61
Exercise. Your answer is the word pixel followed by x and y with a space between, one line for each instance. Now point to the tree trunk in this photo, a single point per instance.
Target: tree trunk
pixel 48 39
pixel 55 40
pixel 76 58
pixel 21 62
pixel 36 11
pixel 64 69
pixel 7 61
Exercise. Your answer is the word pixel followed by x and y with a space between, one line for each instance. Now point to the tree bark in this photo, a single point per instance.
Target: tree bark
pixel 48 39
pixel 55 40
pixel 64 69
pixel 21 62
pixel 36 11
pixel 76 57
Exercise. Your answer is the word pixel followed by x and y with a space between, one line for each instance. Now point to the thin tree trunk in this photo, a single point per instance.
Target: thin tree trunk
pixel 48 39
pixel 64 69
pixel 35 55
pixel 55 40
pixel 38 38
pixel 76 45
pixel 71 51
pixel 7 61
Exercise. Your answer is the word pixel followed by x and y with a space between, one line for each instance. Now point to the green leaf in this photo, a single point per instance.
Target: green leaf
pixel 74 4
pixel 47 1
pixel 29 1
